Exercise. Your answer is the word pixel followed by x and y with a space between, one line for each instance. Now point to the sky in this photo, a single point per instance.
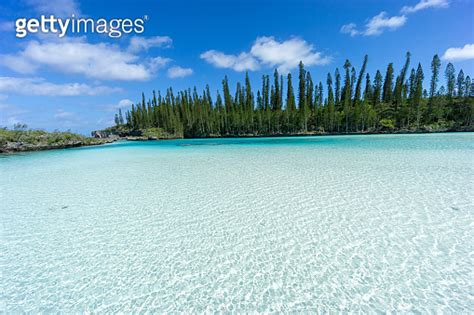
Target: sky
pixel 79 81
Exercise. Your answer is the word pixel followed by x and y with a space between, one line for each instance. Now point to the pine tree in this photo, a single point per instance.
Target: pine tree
pixel 302 105
pixel 460 84
pixel 337 91
pixel 290 105
pixel 249 104
pixel 418 93
pixel 120 117
pixel 399 87
pixel 346 95
pixel 368 91
pixel 377 88
pixel 435 64
pixel 276 96
pixel 227 105
pixel 450 75
pixel 388 84
pixel 467 86
pixel 191 114
pixel 359 80
pixel 309 91
pixel 331 106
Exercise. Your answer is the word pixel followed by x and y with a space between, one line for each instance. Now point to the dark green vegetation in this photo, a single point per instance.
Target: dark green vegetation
pixel 23 139
pixel 349 102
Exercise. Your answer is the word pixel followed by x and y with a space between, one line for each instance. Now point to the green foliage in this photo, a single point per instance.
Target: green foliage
pixel 387 124
pixel 383 104
pixel 153 133
pixel 40 138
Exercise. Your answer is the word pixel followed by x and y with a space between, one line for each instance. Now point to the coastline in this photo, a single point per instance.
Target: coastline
pixel 18 146
pixel 300 134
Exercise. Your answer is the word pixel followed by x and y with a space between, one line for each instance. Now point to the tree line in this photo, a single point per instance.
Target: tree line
pixel 347 102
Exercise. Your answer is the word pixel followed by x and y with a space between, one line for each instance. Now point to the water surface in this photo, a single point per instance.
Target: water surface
pixel 343 223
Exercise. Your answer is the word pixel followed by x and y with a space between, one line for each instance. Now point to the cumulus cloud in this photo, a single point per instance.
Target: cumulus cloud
pixel 179 72
pixel 380 22
pixel 124 103
pixel 266 51
pixel 425 4
pixel 241 62
pixel 63 8
pixel 154 64
pixel 99 61
pixel 350 28
pixel 376 25
pixel 459 53
pixel 287 54
pixel 39 86
pixel 143 43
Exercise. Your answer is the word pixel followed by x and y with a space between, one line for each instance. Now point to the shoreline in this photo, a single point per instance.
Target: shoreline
pixel 307 134
pixel 19 147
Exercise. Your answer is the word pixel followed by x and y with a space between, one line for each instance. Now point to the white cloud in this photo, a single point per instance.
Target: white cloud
pixel 241 62
pixel 39 86
pixel 425 4
pixel 459 54
pixel 380 22
pixel 179 72
pixel 287 54
pixel 64 8
pixel 100 61
pixel 124 103
pixel 350 28
pixel 142 43
pixel 158 63
pixel 376 25
pixel 267 51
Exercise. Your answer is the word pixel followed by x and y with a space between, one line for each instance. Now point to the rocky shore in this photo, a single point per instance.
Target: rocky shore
pixel 12 147
pixel 22 140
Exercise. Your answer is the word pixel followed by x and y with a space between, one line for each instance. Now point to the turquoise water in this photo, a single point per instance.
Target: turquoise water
pixel 343 223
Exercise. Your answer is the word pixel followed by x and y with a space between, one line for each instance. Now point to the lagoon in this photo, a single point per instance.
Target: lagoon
pixel 338 223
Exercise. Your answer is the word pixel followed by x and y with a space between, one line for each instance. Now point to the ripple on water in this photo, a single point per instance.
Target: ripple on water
pixel 360 224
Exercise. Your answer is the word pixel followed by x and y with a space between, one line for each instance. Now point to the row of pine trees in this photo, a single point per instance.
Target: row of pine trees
pixel 349 102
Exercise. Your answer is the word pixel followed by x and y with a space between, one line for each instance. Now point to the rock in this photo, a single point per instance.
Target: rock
pixel 100 134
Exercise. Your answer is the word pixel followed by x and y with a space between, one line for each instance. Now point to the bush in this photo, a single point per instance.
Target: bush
pixel 153 133
pixel 387 124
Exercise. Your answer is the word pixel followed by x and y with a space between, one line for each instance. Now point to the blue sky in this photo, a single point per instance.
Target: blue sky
pixel 77 82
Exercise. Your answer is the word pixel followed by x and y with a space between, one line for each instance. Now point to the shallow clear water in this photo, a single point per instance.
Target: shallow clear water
pixel 356 223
